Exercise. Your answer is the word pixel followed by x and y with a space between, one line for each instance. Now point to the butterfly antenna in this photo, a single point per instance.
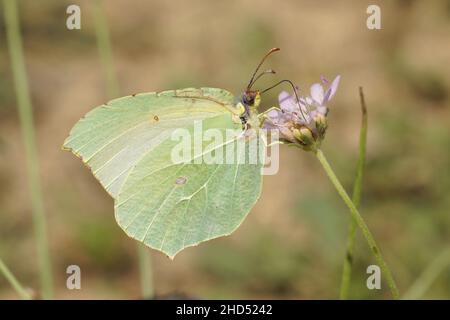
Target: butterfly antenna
pixel 269 71
pixel 295 92
pixel 252 80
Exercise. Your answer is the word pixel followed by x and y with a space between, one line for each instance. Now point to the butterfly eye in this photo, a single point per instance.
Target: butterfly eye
pixel 249 98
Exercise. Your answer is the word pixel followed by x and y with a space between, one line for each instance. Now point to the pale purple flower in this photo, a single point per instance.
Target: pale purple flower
pixel 306 112
pixel 298 111
pixel 281 121
pixel 320 97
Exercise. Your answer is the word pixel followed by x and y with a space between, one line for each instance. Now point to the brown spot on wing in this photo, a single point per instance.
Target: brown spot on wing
pixel 180 181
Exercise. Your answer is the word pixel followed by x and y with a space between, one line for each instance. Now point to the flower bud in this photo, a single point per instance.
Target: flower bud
pixel 321 125
pixel 304 135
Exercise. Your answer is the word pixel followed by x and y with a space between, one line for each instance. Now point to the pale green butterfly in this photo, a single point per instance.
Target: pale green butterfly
pixel 169 206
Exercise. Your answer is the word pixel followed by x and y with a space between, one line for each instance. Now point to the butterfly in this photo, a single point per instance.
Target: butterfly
pixel 128 143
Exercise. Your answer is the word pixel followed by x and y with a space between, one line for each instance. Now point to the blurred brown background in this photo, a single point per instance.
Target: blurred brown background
pixel 292 244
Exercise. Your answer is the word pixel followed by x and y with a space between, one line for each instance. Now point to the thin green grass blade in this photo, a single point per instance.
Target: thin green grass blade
pixel 26 120
pixel 429 276
pixel 361 224
pixel 23 294
pixel 356 198
pixel 105 51
pixel 145 271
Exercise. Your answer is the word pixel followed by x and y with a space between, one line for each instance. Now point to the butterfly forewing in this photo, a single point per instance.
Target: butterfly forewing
pixel 112 138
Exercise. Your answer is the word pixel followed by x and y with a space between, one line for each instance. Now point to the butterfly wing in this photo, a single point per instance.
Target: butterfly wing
pixel 169 205
pixel 112 138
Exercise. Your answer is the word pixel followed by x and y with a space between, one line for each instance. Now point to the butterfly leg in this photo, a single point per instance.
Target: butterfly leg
pixel 263 116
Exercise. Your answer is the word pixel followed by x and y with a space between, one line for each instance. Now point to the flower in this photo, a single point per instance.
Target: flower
pixel 319 97
pixel 302 120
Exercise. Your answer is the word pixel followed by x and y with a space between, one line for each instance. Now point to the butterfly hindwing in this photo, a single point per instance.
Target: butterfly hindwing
pixel 168 205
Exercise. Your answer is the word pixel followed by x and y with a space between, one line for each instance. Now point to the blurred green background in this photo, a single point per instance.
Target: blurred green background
pixel 292 244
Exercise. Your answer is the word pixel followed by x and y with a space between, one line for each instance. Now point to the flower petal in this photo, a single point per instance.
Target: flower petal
pixel 334 86
pixel 317 93
pixel 274 115
pixel 283 96
pixel 287 102
pixel 273 118
pixel 331 90
pixel 322 110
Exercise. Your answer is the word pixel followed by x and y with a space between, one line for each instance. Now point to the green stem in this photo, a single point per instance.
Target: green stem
pixel 145 271
pixel 360 221
pixel 356 197
pixel 112 86
pixel 23 294
pixel 28 132
pixel 427 278
pixel 105 50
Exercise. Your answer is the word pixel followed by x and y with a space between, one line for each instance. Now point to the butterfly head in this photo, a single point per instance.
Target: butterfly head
pixel 250 100
pixel 248 104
